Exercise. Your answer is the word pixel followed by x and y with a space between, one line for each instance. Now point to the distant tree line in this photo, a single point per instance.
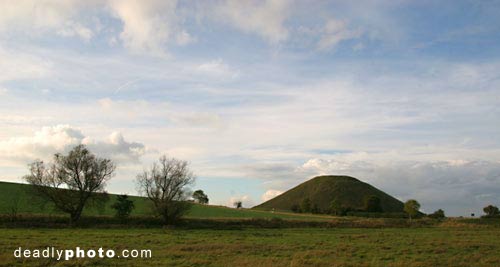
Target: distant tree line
pixel 372 205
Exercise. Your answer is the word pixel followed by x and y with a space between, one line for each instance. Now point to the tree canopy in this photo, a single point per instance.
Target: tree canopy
pixel 412 208
pixel 166 185
pixel 72 180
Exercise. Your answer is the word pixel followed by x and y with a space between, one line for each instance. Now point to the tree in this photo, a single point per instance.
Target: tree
pixel 305 206
pixel 373 204
pixel 411 207
pixel 72 181
pixel 491 211
pixel 165 185
pixel 438 214
pixel 295 208
pixel 123 206
pixel 335 208
pixel 200 197
pixel 315 209
pixel 238 204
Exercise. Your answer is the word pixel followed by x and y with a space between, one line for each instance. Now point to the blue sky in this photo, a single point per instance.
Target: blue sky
pixel 261 95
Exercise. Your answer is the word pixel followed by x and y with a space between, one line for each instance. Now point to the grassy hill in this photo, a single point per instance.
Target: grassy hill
pixel 15 195
pixel 322 190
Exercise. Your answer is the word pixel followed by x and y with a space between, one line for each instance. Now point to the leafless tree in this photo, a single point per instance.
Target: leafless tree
pixel 72 181
pixel 166 184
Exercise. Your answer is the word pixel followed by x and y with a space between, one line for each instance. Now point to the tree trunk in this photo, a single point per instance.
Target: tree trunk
pixel 76 214
pixel 74 217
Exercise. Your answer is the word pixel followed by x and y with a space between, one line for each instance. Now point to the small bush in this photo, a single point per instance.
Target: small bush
pixel 373 204
pixel 123 206
pixel 438 214
pixel 305 206
pixel 295 208
pixel 491 212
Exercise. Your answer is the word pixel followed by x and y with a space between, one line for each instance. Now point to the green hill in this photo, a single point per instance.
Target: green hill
pixel 18 196
pixel 322 190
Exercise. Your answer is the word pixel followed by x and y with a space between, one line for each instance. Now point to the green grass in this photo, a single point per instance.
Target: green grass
pixel 322 190
pixel 436 246
pixel 14 194
pixel 328 241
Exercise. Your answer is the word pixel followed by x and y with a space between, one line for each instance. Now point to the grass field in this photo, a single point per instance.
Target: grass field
pixel 437 246
pixel 247 238
pixel 18 195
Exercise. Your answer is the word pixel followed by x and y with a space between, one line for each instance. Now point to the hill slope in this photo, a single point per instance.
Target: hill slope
pixel 322 190
pixel 18 196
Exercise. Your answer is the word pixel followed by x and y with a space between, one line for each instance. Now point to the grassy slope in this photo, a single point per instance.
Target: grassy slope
pixel 10 193
pixel 322 190
pixel 436 246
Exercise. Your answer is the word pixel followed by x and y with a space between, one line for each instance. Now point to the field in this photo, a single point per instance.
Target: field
pixel 436 246
pixel 221 236
pixel 18 195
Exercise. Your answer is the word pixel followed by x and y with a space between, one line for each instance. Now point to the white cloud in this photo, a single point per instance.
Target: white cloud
pixel 148 25
pixel 75 29
pixel 270 194
pixel 62 138
pixel 184 38
pixel 334 32
pixel 37 16
pixel 16 65
pixel 246 201
pixel 358 47
pixel 217 68
pixel 265 18
pixel 458 186
pixel 200 120
pixel 328 166
pixel 118 148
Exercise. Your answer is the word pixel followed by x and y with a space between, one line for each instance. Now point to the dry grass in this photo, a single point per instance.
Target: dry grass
pixel 429 246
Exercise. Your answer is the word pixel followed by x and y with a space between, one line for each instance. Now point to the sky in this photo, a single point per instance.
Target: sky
pixel 260 96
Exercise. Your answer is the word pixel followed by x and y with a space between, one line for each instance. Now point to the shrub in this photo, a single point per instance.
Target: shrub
pixel 438 214
pixel 315 209
pixel 305 206
pixel 123 206
pixel 372 204
pixel 295 208
pixel 491 211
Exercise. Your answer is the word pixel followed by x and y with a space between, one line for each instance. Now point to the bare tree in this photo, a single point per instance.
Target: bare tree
pixel 72 181
pixel 165 184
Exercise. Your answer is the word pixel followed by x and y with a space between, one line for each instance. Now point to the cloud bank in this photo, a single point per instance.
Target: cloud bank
pixel 62 138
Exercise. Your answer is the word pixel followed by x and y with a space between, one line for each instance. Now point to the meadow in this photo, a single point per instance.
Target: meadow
pixel 433 246
pixel 221 236
pixel 18 196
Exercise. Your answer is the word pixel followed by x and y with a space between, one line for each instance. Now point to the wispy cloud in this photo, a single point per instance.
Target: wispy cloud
pixel 264 93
